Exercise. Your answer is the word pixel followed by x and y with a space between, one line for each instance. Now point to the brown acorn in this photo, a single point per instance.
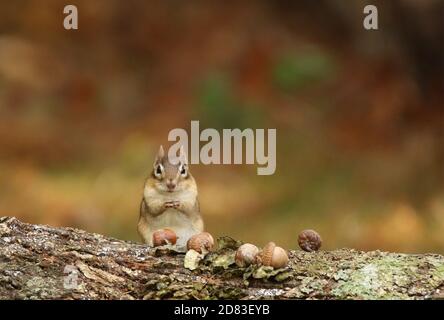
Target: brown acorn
pixel 201 242
pixel 246 255
pixel 274 256
pixel 164 236
pixel 309 240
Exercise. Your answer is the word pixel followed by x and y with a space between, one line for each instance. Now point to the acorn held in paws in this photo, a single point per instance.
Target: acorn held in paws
pixel 164 236
pixel 309 240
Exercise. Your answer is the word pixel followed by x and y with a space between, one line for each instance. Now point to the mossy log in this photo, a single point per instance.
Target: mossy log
pixel 41 262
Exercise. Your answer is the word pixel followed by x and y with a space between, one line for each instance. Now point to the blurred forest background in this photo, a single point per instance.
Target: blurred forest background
pixel 359 115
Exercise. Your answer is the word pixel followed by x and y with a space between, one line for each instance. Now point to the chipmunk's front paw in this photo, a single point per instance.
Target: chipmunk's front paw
pixel 172 204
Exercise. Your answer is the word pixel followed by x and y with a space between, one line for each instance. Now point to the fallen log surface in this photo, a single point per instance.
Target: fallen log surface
pixel 42 262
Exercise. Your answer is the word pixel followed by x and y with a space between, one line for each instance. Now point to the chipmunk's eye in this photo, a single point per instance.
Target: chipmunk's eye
pixel 183 171
pixel 158 171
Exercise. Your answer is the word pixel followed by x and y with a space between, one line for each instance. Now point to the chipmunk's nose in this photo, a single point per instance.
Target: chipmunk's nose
pixel 171 185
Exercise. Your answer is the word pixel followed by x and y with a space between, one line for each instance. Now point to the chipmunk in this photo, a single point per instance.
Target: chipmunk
pixel 170 200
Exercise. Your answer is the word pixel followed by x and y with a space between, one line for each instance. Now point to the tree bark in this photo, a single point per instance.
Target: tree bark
pixel 41 262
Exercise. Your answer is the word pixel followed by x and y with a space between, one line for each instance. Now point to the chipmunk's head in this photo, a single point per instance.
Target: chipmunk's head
pixel 171 175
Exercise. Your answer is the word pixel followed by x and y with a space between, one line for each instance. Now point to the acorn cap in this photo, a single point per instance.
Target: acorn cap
pixel 267 253
pixel 309 240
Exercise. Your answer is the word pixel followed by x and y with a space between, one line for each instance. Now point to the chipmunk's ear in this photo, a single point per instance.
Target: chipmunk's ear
pixel 160 155
pixel 182 155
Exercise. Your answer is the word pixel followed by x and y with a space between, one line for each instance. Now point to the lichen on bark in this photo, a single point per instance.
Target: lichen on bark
pixel 36 262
